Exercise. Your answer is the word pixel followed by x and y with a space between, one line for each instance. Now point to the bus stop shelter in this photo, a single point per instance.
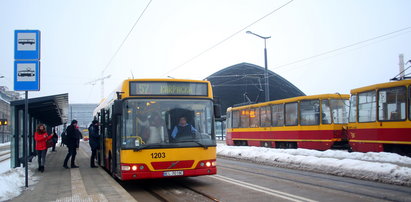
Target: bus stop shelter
pixel 49 110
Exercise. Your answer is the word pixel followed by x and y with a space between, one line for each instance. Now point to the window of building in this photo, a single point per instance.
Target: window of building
pixel 291 114
pixel 278 114
pixel 353 109
pixel 325 112
pixel 236 119
pixel 310 112
pixel 367 106
pixel 339 109
pixel 391 104
pixel 245 118
pixel 265 113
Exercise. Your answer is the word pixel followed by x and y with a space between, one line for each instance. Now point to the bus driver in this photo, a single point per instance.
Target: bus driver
pixel 183 129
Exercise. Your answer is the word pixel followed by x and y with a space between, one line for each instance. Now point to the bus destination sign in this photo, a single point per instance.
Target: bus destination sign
pixel 156 88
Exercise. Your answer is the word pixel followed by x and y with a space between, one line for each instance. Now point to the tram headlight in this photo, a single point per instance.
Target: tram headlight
pixel 134 168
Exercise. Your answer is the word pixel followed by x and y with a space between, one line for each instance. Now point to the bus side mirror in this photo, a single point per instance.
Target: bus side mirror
pixel 118 107
pixel 217 111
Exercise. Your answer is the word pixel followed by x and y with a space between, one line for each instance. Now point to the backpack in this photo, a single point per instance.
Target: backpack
pixel 64 137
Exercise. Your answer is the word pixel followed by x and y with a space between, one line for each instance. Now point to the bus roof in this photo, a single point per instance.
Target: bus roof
pixel 381 85
pixel 294 99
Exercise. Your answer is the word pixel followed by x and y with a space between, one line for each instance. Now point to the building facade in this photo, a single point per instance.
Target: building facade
pixel 83 113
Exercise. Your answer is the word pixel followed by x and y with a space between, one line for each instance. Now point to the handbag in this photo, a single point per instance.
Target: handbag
pixel 50 143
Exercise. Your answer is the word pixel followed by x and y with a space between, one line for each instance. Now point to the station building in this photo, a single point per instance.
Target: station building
pixel 244 83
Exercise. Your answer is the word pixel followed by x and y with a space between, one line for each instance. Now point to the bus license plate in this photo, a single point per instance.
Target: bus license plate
pixel 173 173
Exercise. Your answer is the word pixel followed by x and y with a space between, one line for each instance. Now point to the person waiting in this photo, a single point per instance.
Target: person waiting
pixel 182 129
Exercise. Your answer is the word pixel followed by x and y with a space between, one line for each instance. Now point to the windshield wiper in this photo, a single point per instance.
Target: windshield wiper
pixel 202 145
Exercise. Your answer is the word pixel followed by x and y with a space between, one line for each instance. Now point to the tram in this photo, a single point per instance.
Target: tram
pixel 311 122
pixel 138 121
pixel 379 118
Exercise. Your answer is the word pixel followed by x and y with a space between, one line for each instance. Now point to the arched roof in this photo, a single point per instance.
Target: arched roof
pixel 244 82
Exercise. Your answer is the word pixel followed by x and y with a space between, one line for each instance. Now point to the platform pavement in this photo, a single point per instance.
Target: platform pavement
pixel 75 184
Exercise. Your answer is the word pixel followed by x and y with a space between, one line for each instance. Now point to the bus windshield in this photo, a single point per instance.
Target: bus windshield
pixel 166 123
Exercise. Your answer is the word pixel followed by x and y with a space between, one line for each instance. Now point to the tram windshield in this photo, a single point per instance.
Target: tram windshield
pixel 165 123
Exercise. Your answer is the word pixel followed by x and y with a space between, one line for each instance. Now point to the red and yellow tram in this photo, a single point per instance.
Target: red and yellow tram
pixel 379 118
pixel 311 122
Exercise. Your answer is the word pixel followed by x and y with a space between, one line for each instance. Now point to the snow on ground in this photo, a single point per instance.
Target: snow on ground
pixel 382 167
pixel 12 180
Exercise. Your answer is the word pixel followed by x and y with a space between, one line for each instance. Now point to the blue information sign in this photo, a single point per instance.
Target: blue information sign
pixel 27 75
pixel 27 44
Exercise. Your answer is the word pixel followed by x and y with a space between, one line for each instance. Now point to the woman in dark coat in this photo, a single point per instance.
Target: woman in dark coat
pixel 41 137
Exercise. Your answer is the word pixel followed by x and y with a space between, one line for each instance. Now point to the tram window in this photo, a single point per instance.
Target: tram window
pixel 310 112
pixel 254 117
pixel 229 120
pixel 391 104
pixel 236 119
pixel 278 114
pixel 339 109
pixel 291 114
pixel 265 113
pixel 367 106
pixel 353 109
pixel 325 112
pixel 245 118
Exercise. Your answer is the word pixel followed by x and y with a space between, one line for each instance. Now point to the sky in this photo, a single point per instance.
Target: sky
pixel 79 38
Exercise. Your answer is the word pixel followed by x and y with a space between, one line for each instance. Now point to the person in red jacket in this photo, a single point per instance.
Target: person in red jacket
pixel 41 138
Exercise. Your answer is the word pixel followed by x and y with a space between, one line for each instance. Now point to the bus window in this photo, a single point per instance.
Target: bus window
pixel 391 104
pixel 310 112
pixel 236 119
pixel 353 109
pixel 339 110
pixel 254 117
pixel 291 114
pixel 326 114
pixel 229 120
pixel 245 118
pixel 265 113
pixel 367 106
pixel 278 114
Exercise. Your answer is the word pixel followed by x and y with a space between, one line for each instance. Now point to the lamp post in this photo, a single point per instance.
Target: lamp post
pixel 267 86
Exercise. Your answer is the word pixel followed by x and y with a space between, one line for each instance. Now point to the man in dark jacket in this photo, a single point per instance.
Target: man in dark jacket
pixel 72 140
pixel 94 141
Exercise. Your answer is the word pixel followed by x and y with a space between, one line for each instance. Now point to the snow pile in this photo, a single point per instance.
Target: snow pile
pixel 12 180
pixel 341 163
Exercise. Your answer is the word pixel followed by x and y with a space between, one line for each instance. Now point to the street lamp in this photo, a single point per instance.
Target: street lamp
pixel 267 86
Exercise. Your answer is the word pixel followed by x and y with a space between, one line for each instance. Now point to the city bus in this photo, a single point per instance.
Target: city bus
pixel 311 122
pixel 379 118
pixel 137 124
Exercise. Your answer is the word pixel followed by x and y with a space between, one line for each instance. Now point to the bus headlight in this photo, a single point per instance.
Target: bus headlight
pixel 202 164
pixel 141 167
pixel 134 168
pixel 208 164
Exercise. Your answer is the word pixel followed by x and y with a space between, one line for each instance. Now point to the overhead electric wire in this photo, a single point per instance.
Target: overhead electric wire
pixel 226 39
pixel 124 40
pixel 341 48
